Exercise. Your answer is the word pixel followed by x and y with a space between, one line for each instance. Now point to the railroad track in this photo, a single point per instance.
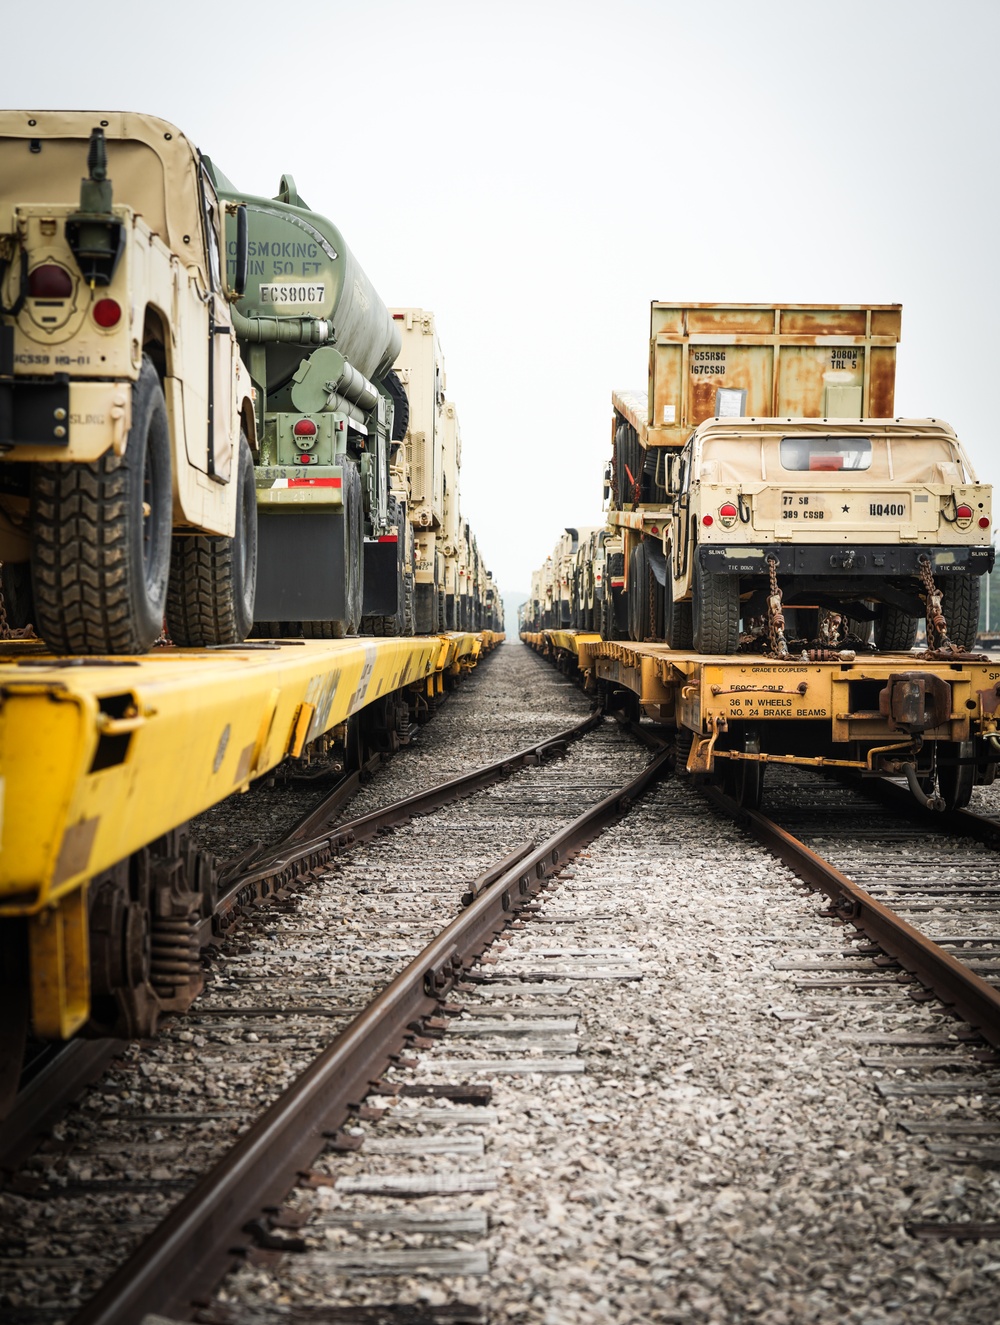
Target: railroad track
pixel 637 974
pixel 270 1009
pixel 592 1063
pixel 924 888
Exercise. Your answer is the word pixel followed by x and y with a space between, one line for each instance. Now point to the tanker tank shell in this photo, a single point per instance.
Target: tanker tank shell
pixel 300 266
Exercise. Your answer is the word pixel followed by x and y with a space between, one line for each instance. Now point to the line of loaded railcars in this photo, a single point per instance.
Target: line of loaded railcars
pixel 208 416
pixel 764 474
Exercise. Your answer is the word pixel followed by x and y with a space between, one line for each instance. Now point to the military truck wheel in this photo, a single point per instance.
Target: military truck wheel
pixel 213 579
pixel 408 626
pixel 715 612
pixel 101 554
pixel 639 623
pixel 895 632
pixel 678 629
pixel 961 607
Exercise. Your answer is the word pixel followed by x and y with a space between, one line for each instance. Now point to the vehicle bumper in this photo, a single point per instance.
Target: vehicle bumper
pixel 280 487
pixel 54 418
pixel 884 562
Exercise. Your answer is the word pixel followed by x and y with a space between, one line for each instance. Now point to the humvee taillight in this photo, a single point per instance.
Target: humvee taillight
pixel 963 516
pixel 107 313
pixel 50 282
pixel 728 514
pixel 304 428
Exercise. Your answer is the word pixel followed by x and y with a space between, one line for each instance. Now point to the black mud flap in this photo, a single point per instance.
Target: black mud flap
pixel 657 561
pixel 301 567
pixel 381 594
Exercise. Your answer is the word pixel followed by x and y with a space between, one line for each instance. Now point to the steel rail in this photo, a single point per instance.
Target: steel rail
pixel 50 1092
pixel 971 997
pixel 959 823
pixel 299 852
pixel 195 1244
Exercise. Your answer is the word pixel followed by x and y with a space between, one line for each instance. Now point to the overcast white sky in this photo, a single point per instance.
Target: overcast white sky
pixel 537 172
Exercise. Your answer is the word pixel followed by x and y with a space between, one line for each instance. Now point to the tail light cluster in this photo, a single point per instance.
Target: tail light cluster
pixel 50 281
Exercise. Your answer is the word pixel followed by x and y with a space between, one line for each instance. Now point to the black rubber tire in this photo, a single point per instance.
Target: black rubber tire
pixel 15 586
pixel 961 607
pixel 639 625
pixel 678 627
pixel 613 615
pixel 213 579
pixel 101 548
pixel 715 612
pixel 895 632
pixel 409 627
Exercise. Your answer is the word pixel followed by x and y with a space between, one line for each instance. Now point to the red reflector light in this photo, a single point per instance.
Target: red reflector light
pixel 728 509
pixel 50 282
pixel 707 520
pixel 107 313
pixel 964 513
pixel 305 428
pixel 983 522
pixel 305 459
pixel 655 529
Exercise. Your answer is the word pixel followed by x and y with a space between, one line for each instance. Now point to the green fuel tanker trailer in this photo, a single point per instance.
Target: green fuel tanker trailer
pixel 320 345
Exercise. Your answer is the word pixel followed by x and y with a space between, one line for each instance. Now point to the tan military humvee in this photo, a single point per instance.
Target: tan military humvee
pixel 126 421
pixel 844 509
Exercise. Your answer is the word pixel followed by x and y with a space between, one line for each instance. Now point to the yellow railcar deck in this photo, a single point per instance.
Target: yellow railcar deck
pixel 100 756
pixel 854 697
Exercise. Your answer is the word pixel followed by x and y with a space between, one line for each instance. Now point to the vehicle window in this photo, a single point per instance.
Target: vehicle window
pixel 212 231
pixel 825 453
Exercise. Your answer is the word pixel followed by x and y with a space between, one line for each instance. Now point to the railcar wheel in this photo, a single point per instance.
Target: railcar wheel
pixel 715 612
pixel 101 554
pixel 213 579
pixel 957 773
pixel 743 779
pixel 895 632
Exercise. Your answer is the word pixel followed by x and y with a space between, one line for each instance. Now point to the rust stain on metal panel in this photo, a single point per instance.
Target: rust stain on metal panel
pixel 74 853
pixel 887 321
pixel 730 321
pixel 824 322
pixel 882 391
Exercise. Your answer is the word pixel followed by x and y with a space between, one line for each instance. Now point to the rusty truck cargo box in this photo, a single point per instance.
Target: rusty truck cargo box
pixel 770 361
